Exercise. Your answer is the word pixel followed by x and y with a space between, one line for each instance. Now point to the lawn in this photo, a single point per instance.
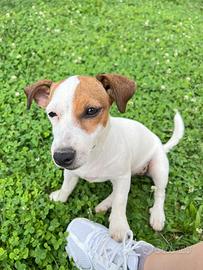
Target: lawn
pixel 160 45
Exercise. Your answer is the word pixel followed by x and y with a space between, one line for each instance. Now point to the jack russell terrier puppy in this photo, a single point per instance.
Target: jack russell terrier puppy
pixel 90 144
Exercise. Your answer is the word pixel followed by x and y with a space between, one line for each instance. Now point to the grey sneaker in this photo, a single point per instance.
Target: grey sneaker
pixel 91 247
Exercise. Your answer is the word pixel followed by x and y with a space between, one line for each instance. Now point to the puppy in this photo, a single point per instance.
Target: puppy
pixel 90 144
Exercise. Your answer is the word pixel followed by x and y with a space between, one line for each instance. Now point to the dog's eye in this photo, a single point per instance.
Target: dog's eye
pixel 52 114
pixel 91 112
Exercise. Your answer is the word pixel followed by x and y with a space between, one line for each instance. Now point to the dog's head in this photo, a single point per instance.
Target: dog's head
pixel 78 109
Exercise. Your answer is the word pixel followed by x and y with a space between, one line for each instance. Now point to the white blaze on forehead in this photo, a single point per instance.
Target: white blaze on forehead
pixel 63 95
pixel 61 103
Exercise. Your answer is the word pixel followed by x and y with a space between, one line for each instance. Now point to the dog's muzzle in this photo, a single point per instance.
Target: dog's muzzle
pixel 64 157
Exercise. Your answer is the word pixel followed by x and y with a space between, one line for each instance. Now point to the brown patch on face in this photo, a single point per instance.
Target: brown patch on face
pixel 90 93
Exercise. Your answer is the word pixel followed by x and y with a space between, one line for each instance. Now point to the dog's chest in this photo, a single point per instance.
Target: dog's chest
pixel 94 179
pixel 95 173
pixel 94 176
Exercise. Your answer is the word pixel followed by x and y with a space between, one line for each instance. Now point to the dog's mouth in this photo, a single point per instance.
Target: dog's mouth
pixel 71 168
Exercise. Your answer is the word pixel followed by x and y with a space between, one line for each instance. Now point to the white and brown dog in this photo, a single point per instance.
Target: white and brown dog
pixel 90 144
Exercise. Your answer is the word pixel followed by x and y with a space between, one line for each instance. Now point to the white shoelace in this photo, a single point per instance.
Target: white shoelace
pixel 98 247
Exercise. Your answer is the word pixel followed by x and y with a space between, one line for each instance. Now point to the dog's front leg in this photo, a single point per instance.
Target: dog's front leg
pixel 118 220
pixel 67 187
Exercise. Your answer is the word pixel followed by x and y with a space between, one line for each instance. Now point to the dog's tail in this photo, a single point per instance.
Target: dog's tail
pixel 177 133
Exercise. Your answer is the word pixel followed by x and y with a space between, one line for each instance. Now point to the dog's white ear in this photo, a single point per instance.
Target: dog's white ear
pixel 119 88
pixel 40 92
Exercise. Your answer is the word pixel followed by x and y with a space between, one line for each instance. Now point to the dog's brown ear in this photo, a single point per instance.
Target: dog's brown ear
pixel 119 88
pixel 38 91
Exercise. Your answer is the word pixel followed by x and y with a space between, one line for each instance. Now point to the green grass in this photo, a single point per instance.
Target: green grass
pixel 159 44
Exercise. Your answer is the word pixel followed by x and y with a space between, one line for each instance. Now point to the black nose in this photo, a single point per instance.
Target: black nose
pixel 64 157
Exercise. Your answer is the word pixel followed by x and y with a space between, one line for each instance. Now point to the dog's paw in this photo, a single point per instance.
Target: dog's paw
pixel 157 218
pixel 118 229
pixel 103 206
pixel 58 196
